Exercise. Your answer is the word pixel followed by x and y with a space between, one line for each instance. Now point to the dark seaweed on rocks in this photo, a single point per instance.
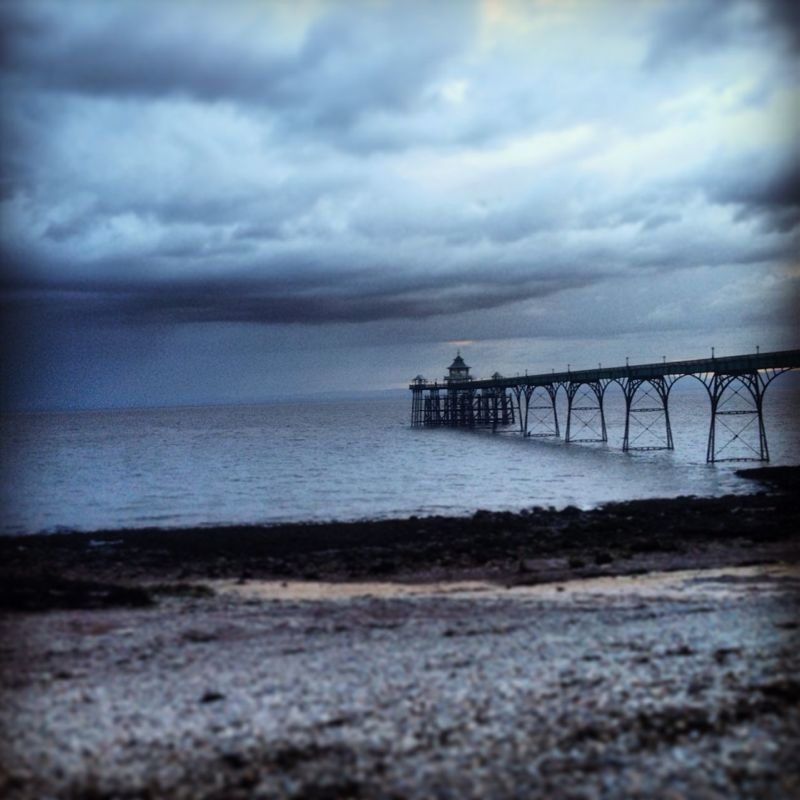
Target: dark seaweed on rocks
pixel 46 592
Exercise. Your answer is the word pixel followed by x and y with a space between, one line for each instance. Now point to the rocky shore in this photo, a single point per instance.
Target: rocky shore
pixel 644 649
pixel 531 546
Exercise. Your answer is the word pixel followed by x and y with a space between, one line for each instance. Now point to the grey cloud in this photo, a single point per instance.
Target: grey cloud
pixel 655 221
pixel 393 172
pixel 769 191
pixel 695 28
pixel 69 228
pixel 604 308
pixel 686 27
pixel 315 309
pixel 354 58
pixel 316 286
pixel 784 16
pixel 312 299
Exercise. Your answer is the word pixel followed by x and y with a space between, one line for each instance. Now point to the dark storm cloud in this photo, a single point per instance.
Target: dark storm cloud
pixel 767 191
pixel 696 28
pixel 690 27
pixel 309 289
pixel 299 292
pixel 402 171
pixel 317 307
pixel 784 15
pixel 351 60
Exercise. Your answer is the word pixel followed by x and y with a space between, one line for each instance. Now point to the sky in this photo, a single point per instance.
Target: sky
pixel 210 202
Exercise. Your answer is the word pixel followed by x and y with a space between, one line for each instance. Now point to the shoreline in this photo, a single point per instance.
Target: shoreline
pixel 752 480
pixel 539 545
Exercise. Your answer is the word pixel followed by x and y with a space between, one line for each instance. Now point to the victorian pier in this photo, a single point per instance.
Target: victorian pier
pixel 527 403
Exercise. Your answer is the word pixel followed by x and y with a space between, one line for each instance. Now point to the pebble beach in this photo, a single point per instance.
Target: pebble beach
pixel 551 672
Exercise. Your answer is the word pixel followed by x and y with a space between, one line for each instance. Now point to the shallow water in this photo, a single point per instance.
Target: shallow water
pixel 335 460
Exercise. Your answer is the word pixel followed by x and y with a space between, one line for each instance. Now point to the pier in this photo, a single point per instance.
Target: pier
pixel 527 403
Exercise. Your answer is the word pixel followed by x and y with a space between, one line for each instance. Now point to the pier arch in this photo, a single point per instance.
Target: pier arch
pixel 735 386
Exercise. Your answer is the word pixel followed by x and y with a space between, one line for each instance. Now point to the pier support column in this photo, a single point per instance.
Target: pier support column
pixel 737 430
pixel 646 403
pixel 468 405
pixel 507 408
pixel 541 412
pixel 416 408
pixel 484 406
pixel 586 419
pixel 518 392
pixel 436 408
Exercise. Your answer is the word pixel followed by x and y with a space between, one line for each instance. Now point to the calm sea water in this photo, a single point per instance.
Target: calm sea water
pixel 334 460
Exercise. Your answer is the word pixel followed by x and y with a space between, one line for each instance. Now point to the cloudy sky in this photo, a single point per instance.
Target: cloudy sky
pixel 208 202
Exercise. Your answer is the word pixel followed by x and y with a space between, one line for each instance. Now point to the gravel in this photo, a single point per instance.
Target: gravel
pixel 660 686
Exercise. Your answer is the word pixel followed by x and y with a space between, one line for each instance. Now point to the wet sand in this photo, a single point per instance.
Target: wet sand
pixel 547 654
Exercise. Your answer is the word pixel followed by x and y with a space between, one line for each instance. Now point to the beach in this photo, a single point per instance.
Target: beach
pixel 641 649
pixel 386 398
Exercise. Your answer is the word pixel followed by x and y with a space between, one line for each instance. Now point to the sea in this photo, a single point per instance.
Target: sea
pixel 346 459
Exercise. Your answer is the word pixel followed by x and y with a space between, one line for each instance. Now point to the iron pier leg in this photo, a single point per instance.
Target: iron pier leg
pixel 570 396
pixel 628 401
pixel 518 392
pixel 552 392
pixel 528 395
pixel 670 445
pixel 743 389
pixel 543 411
pixel 508 409
pixel 591 391
pixel 600 397
pixel 653 398
pixel 437 410
pixel 711 448
pixel 762 431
